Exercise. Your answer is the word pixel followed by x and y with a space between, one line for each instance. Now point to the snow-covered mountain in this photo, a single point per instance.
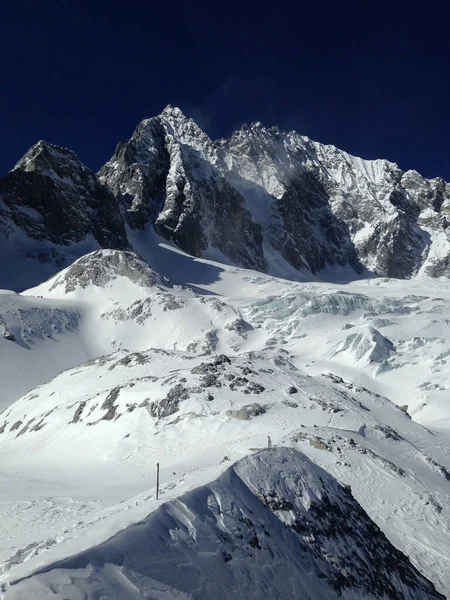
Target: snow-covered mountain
pixel 265 199
pixel 53 209
pixel 192 303
pixel 266 196
pixel 105 301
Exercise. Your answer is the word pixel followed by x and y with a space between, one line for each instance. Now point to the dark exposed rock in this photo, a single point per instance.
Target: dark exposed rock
pixel 109 405
pixel 238 382
pixel 211 341
pixel 246 371
pixel 216 365
pixel 404 409
pixel 38 426
pixel 78 411
pixel 388 432
pixel 247 412
pixel 289 403
pixel 240 326
pixel 25 428
pixel 254 388
pixel 130 360
pixel 170 404
pixel 210 380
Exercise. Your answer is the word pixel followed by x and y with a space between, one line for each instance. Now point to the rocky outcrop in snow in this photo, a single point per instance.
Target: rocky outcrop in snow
pixel 102 266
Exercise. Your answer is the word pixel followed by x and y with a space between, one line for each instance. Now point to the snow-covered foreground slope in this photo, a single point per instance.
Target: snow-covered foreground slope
pixel 193 363
pixel 272 526
pixel 101 428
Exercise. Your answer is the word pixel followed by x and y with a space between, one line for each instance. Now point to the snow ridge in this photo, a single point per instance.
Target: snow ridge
pixel 273 525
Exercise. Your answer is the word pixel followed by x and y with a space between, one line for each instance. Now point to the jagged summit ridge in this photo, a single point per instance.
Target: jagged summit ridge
pixel 265 199
pixel 43 154
pixel 314 205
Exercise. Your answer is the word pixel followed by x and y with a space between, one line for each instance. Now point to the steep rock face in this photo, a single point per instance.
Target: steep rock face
pixel 383 208
pixel 138 171
pixel 339 209
pixel 68 200
pixel 265 192
pixel 165 175
pixel 274 525
pixel 53 202
pixel 273 171
pixel 265 199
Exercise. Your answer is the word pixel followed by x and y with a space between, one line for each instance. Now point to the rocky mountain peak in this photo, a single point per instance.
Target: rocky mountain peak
pixel 265 199
pixel 171 111
pixel 315 205
pixel 54 209
pixel 51 159
pixel 185 130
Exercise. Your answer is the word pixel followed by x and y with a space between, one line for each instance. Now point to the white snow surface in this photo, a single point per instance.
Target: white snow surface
pixel 301 535
pixel 112 366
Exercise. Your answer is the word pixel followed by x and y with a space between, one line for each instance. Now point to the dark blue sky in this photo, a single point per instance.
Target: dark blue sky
pixel 372 79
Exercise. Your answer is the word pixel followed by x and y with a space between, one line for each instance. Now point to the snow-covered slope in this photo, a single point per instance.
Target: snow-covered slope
pixel 38 340
pixel 388 335
pixel 104 301
pixel 274 525
pixel 111 420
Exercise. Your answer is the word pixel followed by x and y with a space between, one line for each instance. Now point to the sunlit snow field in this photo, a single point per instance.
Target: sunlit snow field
pixel 368 359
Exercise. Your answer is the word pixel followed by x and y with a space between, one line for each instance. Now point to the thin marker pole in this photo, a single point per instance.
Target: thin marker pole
pixel 157 481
